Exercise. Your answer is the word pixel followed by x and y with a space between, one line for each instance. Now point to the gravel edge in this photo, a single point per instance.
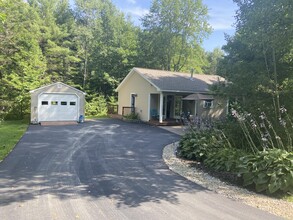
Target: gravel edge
pixel 275 206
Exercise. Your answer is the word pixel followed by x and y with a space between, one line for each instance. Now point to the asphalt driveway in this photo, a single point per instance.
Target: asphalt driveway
pixel 106 169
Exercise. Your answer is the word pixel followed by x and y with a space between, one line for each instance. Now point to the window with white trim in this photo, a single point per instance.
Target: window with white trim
pixel 208 103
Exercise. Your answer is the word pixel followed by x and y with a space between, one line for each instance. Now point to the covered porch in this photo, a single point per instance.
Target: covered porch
pixel 171 108
pixel 166 108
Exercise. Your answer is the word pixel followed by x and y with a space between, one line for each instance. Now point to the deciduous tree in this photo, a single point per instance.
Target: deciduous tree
pixel 172 33
pixel 259 57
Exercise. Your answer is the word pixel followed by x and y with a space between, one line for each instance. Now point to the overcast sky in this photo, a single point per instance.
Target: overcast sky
pixel 221 14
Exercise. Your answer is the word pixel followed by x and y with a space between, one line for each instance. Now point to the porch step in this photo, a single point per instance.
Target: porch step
pixel 56 123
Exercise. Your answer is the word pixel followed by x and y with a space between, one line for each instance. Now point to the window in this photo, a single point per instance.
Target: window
pixel 63 103
pixel 208 103
pixel 45 103
pixel 54 103
pixel 72 103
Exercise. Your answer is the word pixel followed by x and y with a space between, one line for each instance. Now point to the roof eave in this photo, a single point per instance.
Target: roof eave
pixel 181 91
pixel 135 70
pixel 43 87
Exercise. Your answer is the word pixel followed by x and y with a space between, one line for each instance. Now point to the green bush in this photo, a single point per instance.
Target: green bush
pixel 196 145
pixel 96 107
pixel 132 116
pixel 268 171
pixel 224 159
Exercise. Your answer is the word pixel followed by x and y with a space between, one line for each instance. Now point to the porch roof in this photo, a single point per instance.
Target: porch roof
pixel 167 81
pixel 198 96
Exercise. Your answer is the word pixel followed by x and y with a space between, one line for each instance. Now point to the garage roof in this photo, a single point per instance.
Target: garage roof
pixel 57 83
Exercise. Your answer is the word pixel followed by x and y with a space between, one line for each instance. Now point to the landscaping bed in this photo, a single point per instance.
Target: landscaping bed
pixel 219 182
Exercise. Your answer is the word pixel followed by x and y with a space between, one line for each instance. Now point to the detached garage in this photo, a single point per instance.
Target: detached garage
pixel 57 102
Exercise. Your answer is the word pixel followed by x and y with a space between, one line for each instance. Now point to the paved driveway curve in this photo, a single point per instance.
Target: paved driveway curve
pixel 106 169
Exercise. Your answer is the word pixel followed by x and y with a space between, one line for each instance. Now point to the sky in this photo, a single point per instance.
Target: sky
pixel 221 13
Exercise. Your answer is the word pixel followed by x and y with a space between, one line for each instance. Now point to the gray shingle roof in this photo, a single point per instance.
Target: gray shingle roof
pixel 179 82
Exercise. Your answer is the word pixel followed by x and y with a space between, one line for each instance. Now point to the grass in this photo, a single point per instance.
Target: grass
pixel 10 133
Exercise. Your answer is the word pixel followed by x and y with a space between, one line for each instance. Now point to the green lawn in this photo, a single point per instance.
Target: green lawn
pixel 10 133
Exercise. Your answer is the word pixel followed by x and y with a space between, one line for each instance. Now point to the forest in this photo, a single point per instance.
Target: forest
pixel 91 45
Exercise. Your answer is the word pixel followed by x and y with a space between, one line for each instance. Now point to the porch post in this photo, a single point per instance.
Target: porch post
pixel 161 107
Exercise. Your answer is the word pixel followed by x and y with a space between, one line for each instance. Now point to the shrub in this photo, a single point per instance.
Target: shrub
pixel 224 159
pixel 268 171
pixel 197 145
pixel 97 106
pixel 132 116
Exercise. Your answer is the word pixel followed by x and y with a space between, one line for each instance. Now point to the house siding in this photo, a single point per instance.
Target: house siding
pixel 136 85
pixel 218 110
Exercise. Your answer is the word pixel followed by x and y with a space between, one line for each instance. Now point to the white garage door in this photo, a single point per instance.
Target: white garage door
pixel 58 107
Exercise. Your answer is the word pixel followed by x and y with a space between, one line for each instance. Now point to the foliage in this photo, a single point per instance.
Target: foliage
pixel 268 171
pixel 261 165
pixel 261 133
pixel 97 106
pixel 103 84
pixel 21 60
pixel 198 144
pixel 171 35
pixel 132 116
pixel 106 42
pixel 258 60
pixel 10 133
pixel 224 159
pixel 213 59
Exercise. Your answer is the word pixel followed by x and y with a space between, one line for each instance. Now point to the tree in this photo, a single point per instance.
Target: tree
pixel 259 57
pixel 107 43
pixel 172 32
pixel 22 65
pixel 57 34
pixel 213 59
